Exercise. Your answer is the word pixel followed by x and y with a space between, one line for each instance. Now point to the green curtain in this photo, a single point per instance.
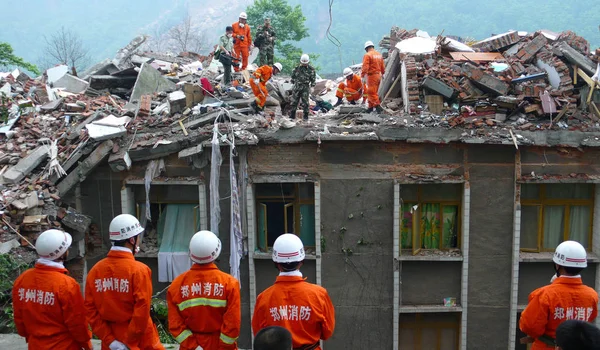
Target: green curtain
pixel 307 224
pixel 554 225
pixel 406 226
pixel 430 226
pixel 176 226
pixel 261 219
pixel 579 224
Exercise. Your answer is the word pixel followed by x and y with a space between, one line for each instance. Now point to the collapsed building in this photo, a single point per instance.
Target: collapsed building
pixel 430 223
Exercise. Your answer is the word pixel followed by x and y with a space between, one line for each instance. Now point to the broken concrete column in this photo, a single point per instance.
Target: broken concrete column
pixel 123 56
pixel 484 80
pixel 77 222
pixel 84 168
pixel 177 102
pixel 119 161
pixel 576 58
pixel 392 68
pixel 26 165
pixel 438 86
pixel 558 72
pixel 530 49
pixel 497 42
pixel 149 81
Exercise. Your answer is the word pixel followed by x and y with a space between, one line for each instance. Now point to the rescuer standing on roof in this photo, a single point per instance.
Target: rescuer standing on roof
pixel 351 88
pixel 47 302
pixel 204 302
pixel 303 78
pixel 566 298
pixel 303 308
pixel 118 292
pixel 372 72
pixel 265 41
pixel 259 85
pixel 242 40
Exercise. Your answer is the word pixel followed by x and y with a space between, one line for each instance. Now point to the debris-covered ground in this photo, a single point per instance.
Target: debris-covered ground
pixel 54 129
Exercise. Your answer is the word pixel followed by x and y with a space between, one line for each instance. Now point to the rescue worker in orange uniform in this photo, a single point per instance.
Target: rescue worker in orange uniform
pixel 118 292
pixel 242 40
pixel 351 88
pixel 204 302
pixel 47 302
pixel 372 71
pixel 566 298
pixel 303 308
pixel 259 84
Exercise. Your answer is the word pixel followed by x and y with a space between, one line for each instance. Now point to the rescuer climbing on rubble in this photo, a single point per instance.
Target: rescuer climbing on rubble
pixel 566 298
pixel 303 78
pixel 118 292
pixel 259 84
pixel 303 308
pixel 204 302
pixel 47 302
pixel 372 72
pixel 351 88
pixel 242 40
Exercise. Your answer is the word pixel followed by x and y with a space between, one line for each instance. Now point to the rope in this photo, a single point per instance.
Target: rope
pixel 335 41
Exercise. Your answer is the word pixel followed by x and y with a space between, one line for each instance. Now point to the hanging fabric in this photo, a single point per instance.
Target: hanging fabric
pixel 236 244
pixel 215 170
pixel 154 168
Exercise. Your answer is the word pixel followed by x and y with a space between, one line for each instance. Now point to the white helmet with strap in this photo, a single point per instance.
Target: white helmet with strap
pixel 304 59
pixel 52 244
pixel 205 247
pixel 570 254
pixel 278 66
pixel 124 226
pixel 243 15
pixel 288 248
pixel 348 71
pixel 369 43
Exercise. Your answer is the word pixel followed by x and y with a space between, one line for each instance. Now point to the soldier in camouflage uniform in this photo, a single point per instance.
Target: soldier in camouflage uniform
pixel 303 78
pixel 265 41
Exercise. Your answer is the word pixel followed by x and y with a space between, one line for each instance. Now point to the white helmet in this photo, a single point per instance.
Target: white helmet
pixel 124 226
pixel 348 71
pixel 288 248
pixel 369 43
pixel 570 254
pixel 304 59
pixel 52 244
pixel 205 247
pixel 243 15
pixel 278 66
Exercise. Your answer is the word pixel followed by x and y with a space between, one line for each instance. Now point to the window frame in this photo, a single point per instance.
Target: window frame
pixel 417 223
pixel 542 201
pixel 418 325
pixel 288 200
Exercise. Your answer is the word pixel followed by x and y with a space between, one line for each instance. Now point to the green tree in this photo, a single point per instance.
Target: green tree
pixel 289 25
pixel 7 58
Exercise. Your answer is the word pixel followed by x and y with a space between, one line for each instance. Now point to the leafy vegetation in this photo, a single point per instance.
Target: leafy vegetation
pixel 10 269
pixel 7 58
pixel 160 316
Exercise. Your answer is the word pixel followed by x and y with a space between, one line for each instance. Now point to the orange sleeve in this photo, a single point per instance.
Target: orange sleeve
pixel 73 311
pixel 259 72
pixel 535 316
pixel 142 293
pixel 232 319
pixel 100 328
pixel 257 317
pixel 329 321
pixel 18 309
pixel 177 326
pixel 365 65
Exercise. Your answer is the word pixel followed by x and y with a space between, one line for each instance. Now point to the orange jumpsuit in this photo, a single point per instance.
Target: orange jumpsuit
pixel 260 91
pixel 242 47
pixel 373 68
pixel 302 308
pixel 351 89
pixel 204 309
pixel 565 299
pixel 48 309
pixel 118 291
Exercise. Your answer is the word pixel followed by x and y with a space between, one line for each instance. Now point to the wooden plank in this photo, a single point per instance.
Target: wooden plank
pixel 476 56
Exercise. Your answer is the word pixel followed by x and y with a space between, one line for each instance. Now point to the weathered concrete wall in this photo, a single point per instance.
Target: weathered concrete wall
pixel 534 275
pixel 429 282
pixel 491 236
pixel 358 277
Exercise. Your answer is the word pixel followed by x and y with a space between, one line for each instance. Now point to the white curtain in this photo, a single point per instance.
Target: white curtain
pixel 579 224
pixel 554 226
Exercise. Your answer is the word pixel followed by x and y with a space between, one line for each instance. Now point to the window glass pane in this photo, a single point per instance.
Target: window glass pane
pixel 445 192
pixel 449 339
pixel 450 226
pixel 307 224
pixel 429 338
pixel 579 224
pixel 407 338
pixel 529 226
pixel 553 226
pixel 569 191
pixel 430 226
pixel 276 215
pixel 261 219
pixel 406 225
pixel 275 190
pixel 306 190
pixel 530 191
